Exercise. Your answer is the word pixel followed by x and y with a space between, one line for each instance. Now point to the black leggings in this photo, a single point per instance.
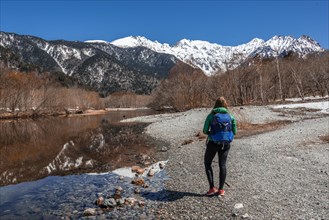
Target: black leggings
pixel 212 149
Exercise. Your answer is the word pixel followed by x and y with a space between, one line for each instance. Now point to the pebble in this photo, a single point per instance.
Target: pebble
pixel 238 206
pixel 100 201
pixel 151 172
pixel 135 168
pixel 161 165
pixel 140 170
pixel 118 188
pixel 120 201
pixel 130 201
pixel 89 212
pixel 110 202
pixel 245 216
pixel 138 181
pixel 137 191
pixel 141 203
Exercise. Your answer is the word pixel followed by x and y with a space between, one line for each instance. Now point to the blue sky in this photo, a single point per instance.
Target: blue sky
pixel 224 22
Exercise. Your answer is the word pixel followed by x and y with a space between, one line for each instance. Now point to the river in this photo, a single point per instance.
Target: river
pixel 43 162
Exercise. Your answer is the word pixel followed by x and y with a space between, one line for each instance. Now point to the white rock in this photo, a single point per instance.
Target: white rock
pixel 238 206
pixel 245 216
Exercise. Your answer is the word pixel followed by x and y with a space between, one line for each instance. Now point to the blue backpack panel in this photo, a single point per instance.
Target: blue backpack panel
pixel 221 128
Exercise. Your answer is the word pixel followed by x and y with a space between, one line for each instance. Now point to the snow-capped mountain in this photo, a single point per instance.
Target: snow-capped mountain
pixel 212 57
pixel 97 64
pixel 137 64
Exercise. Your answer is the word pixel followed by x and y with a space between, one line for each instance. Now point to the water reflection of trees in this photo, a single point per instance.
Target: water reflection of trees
pixel 28 146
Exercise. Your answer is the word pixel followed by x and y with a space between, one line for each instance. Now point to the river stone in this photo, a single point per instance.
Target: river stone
pixel 151 172
pixel 138 181
pixel 238 206
pixel 110 202
pixel 89 212
pixel 130 201
pixel 118 188
pixel 141 203
pixel 100 201
pixel 246 216
pixel 140 171
pixel 161 165
pixel 120 201
pixel 135 168
pixel 137 191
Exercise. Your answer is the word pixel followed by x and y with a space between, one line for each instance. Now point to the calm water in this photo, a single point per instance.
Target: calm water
pixel 32 149
pixel 61 148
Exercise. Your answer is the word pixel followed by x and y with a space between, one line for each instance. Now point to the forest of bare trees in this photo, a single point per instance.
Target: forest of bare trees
pixel 258 82
pixel 126 100
pixel 32 95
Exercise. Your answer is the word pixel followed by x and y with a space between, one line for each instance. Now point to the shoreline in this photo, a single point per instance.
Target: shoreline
pixel 73 113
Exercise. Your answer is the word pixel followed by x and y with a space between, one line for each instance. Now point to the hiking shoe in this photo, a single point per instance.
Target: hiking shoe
pixel 212 191
pixel 221 192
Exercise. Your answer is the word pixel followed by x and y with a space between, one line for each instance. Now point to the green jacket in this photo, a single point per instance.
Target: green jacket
pixel 210 117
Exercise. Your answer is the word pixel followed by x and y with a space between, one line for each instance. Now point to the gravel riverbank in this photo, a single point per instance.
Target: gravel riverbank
pixel 281 174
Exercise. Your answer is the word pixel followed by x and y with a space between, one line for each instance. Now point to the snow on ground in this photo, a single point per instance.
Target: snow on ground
pixel 307 98
pixel 323 107
pixel 126 171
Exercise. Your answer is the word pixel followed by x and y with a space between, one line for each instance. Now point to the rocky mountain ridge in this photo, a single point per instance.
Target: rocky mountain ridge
pixel 102 66
pixel 211 57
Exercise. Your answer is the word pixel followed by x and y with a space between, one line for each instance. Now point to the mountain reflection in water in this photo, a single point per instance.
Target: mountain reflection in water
pixel 33 149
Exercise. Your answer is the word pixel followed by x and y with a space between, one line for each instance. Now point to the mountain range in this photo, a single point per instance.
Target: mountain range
pixel 136 64
pixel 212 57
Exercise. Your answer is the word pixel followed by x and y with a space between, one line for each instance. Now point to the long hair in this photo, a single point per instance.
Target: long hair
pixel 221 102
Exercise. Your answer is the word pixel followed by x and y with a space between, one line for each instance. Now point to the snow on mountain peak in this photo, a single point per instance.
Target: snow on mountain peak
pixel 96 41
pixel 131 41
pixel 212 57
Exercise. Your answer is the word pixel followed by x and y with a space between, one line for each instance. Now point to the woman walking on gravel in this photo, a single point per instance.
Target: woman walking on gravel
pixel 220 126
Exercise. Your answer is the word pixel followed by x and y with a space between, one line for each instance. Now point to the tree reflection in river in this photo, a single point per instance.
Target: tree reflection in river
pixel 32 149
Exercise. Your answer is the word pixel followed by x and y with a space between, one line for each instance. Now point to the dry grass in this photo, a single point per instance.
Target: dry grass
pixel 249 129
pixel 246 128
pixel 325 138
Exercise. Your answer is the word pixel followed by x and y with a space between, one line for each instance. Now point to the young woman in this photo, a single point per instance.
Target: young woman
pixel 220 134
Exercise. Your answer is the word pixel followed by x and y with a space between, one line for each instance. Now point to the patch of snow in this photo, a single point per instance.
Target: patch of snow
pixel 307 98
pixel 126 171
pixel 323 107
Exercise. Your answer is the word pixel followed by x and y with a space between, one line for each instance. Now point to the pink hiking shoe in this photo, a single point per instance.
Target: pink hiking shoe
pixel 212 191
pixel 221 192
